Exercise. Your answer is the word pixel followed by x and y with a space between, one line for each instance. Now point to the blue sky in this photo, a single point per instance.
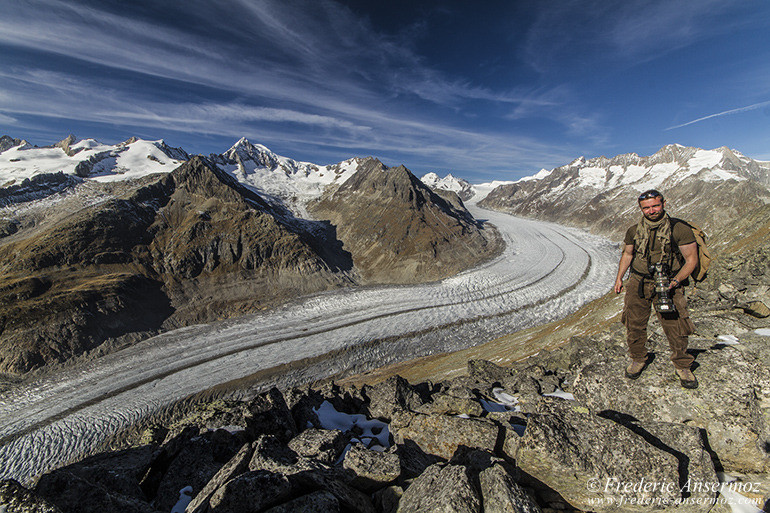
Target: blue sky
pixel 485 90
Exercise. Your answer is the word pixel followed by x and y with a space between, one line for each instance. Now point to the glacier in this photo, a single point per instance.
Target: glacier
pixel 546 272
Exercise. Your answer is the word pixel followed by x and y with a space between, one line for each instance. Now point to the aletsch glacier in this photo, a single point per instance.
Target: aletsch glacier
pixel 546 272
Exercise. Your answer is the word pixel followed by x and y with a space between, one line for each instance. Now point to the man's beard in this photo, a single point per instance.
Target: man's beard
pixel 655 217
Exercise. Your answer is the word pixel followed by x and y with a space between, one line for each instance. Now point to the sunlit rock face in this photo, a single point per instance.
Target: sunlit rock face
pixel 398 230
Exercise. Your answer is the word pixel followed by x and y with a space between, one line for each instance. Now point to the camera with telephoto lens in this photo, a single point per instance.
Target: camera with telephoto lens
pixel 663 300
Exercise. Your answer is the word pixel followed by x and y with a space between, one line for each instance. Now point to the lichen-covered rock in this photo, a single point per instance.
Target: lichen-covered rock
pixel 72 493
pixel 728 403
pixel 373 469
pixel 316 502
pixel 441 435
pixel 195 465
pixel 349 498
pixel 392 395
pixel 441 489
pixel 579 454
pixel 501 494
pixel 270 415
pixel 324 445
pixel 413 459
pixel 275 456
pixel 251 492
pixel 236 466
pixel 14 498
pixel 455 399
pixel 387 499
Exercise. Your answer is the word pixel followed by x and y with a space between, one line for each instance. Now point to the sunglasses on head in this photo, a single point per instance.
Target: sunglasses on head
pixel 652 193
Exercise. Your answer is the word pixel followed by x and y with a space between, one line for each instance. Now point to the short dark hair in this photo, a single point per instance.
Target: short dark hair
pixel 649 194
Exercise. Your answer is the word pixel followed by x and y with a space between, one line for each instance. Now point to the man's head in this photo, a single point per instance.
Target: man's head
pixel 652 204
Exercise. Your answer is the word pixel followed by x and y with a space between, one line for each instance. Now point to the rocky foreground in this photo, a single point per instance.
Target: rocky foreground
pixel 561 431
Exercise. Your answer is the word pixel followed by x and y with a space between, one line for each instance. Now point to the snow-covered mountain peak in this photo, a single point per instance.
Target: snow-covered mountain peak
pixel 537 176
pixel 89 158
pixel 449 183
pixel 271 175
pixel 430 179
pixel 668 166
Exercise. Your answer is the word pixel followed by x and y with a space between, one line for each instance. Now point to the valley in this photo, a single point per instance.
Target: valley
pixel 545 273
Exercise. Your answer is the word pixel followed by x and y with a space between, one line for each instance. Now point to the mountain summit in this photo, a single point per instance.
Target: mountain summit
pixel 429 236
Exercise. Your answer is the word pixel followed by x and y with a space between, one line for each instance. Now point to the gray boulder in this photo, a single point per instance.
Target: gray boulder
pixel 501 494
pixel 728 404
pixel 348 497
pixel 387 499
pixel 441 435
pixel 372 469
pixel 251 492
pixel 322 445
pixel 512 426
pixel 413 459
pixel 72 493
pixel 392 395
pixel 273 455
pixel 270 415
pixel 455 399
pixel 195 465
pixel 441 489
pixel 116 473
pixel 585 458
pixel 316 502
pixel 236 466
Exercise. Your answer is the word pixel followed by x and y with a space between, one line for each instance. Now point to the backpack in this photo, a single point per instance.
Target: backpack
pixel 704 255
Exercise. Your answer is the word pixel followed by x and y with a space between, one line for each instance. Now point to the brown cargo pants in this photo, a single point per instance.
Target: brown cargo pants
pixel 636 314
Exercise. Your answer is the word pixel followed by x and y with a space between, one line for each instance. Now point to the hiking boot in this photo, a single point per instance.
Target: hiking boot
pixel 634 370
pixel 687 378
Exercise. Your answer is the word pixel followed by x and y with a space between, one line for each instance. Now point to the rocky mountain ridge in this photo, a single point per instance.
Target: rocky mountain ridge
pixel 711 188
pixel 429 235
pixel 127 259
pixel 97 255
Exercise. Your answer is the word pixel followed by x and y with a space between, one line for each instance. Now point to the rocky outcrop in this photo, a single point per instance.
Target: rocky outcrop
pixel 35 188
pixel 65 144
pixel 17 499
pixel 7 142
pixel 428 238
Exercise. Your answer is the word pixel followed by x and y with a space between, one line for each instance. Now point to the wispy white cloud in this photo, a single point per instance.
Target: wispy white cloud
pixel 311 72
pixel 396 137
pixel 590 34
pixel 747 108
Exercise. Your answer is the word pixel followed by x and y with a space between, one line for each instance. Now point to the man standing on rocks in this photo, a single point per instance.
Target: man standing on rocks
pixel 657 239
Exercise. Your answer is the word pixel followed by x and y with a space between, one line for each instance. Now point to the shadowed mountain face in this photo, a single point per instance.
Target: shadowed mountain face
pixel 709 188
pixel 88 266
pixel 398 230
pixel 116 262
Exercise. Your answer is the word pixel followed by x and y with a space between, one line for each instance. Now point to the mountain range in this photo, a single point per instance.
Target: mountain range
pixel 101 246
pixel 711 188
